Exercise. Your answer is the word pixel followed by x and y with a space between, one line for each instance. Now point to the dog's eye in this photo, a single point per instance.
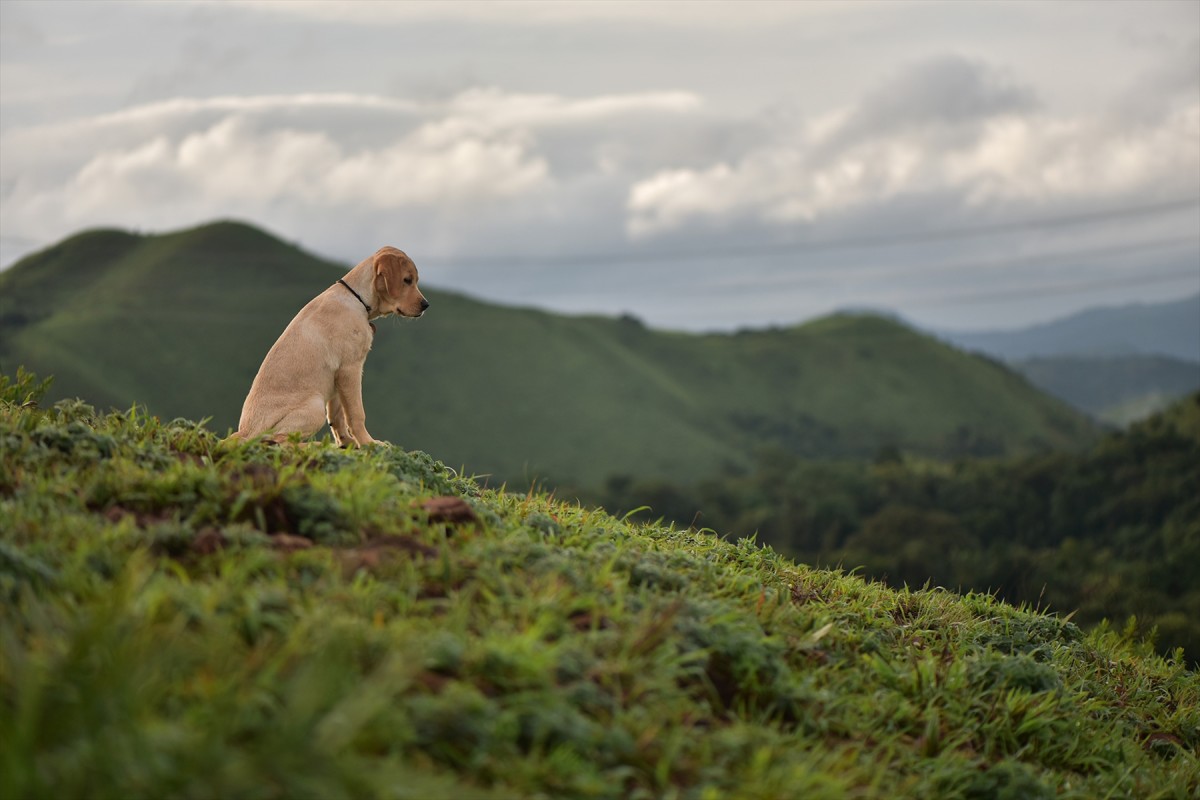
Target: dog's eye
pixel 408 281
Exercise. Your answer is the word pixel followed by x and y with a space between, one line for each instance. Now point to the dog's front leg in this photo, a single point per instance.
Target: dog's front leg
pixel 348 385
pixel 336 416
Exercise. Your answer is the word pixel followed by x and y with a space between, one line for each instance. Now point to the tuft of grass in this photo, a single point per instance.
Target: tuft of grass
pixel 188 618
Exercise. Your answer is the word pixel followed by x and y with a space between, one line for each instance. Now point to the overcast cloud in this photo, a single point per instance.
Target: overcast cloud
pixel 705 166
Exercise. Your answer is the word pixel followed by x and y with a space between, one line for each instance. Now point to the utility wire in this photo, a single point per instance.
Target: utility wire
pixel 1032 260
pixel 820 245
pixel 1069 264
pixel 1065 287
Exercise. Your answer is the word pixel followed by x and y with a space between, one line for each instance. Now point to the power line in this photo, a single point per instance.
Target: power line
pixel 1072 273
pixel 821 245
pixel 1067 287
pixel 1041 260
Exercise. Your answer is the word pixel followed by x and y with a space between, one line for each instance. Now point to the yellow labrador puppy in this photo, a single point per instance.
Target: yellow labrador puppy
pixel 313 373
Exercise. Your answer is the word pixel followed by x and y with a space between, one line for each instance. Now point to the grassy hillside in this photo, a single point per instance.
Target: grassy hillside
pixel 179 323
pixel 174 322
pixel 188 619
pixel 1111 532
pixel 1115 389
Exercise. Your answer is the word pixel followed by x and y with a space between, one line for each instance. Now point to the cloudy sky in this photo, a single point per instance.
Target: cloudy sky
pixel 700 165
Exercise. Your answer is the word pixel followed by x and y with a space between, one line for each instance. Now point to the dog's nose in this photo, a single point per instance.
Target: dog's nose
pixel 424 304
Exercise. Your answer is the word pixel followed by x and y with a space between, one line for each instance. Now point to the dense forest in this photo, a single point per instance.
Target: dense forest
pixel 1113 532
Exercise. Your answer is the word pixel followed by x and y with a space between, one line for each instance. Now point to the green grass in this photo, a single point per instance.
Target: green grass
pixel 179 323
pixel 185 618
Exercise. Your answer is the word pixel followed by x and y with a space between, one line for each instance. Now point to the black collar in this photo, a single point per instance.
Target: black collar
pixel 356 295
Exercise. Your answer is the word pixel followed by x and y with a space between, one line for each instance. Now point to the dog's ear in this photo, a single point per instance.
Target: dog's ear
pixel 388 265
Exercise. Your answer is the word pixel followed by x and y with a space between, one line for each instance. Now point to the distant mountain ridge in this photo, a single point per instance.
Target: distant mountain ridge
pixel 179 323
pixel 1118 364
pixel 1166 329
pixel 1114 389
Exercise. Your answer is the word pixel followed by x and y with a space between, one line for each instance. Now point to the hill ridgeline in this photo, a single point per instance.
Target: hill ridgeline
pixel 178 323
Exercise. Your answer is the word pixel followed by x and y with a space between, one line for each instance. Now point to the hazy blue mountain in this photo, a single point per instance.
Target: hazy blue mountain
pixel 1164 329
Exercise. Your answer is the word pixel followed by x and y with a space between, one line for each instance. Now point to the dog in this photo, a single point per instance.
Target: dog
pixel 313 372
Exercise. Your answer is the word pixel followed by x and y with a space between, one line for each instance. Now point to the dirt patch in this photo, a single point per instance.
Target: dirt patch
pixel 803 594
pixel 259 476
pixel 209 541
pixel 188 458
pixel 584 621
pixel 381 550
pixel 432 682
pixel 143 519
pixel 289 543
pixel 450 510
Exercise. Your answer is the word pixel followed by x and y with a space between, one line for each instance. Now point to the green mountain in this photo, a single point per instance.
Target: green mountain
pixel 186 618
pixel 180 322
pixel 1114 389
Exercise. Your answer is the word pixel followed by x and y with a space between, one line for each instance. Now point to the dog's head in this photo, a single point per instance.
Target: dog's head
pixel 396 284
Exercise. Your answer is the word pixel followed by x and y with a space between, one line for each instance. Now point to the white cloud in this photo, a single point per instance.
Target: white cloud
pixel 514 129
pixel 494 108
pixel 190 106
pixel 696 13
pixel 233 164
pixel 479 108
pixel 948 127
pixel 1061 160
pixel 324 155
